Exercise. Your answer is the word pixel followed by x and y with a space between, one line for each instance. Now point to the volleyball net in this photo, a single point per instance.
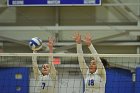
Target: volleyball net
pixel 16 72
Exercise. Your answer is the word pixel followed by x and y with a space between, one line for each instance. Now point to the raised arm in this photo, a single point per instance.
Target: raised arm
pixel 36 70
pixel 81 60
pixel 100 67
pixel 53 71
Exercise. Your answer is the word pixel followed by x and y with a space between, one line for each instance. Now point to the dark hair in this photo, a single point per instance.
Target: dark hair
pixel 105 63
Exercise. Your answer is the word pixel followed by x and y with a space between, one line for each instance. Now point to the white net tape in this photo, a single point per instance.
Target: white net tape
pixel 69 54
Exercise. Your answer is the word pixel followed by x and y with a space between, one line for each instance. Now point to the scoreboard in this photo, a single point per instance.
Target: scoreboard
pixel 53 2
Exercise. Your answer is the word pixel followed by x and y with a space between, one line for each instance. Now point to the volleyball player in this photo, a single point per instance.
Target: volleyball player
pixel 45 79
pixel 94 74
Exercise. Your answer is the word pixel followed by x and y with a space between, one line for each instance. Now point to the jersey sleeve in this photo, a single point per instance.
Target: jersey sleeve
pixel 35 67
pixel 81 60
pixel 100 67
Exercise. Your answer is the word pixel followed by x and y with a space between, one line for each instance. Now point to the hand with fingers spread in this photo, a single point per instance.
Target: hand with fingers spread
pixel 50 44
pixel 87 39
pixel 77 37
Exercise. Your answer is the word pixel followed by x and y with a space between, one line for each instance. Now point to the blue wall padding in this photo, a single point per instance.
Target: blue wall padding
pixel 137 84
pixel 8 82
pixel 119 81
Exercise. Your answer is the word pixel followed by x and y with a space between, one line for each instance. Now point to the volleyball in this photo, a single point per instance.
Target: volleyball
pixel 35 43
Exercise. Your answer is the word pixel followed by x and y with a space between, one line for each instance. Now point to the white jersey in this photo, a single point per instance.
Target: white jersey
pixel 94 83
pixel 45 84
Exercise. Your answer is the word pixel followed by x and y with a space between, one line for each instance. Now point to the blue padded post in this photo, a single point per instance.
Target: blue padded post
pixel 137 82
pixel 119 81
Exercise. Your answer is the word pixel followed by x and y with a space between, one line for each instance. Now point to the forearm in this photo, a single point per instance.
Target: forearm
pixel 81 60
pixel 35 67
pixel 52 67
pixel 53 71
pixel 98 60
